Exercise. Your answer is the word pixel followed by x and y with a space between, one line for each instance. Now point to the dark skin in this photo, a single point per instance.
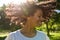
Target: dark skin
pixel 28 29
pixel 32 21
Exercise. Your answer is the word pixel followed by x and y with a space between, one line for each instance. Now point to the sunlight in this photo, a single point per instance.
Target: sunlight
pixel 18 1
pixel 58 11
pixel 6 2
pixel 11 1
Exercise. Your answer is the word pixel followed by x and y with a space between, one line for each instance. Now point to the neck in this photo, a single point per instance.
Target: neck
pixel 28 30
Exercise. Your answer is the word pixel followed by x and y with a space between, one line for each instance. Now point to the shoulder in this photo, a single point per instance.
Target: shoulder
pixel 43 35
pixel 41 32
pixel 11 35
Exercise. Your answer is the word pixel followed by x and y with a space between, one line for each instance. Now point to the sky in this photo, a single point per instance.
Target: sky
pixel 10 1
pixel 14 1
pixel 58 11
pixel 6 2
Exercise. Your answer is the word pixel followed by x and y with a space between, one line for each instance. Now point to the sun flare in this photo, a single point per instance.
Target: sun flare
pixel 11 1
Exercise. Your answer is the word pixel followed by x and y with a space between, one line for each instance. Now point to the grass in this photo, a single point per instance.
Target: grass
pixel 3 35
pixel 54 36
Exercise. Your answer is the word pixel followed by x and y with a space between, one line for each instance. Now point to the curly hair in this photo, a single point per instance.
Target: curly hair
pixel 21 12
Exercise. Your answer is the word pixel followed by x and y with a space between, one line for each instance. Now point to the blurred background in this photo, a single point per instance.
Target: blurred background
pixel 51 28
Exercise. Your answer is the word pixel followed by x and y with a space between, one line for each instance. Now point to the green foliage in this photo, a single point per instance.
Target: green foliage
pixel 58 4
pixel 56 18
pixel 5 23
pixel 58 0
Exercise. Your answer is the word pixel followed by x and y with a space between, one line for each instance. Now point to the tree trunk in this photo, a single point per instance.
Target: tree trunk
pixel 47 28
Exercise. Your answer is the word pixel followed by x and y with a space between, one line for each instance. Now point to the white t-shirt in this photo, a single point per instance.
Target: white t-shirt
pixel 16 35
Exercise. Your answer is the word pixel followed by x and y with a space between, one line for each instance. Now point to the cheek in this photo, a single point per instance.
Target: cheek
pixel 33 21
pixel 36 21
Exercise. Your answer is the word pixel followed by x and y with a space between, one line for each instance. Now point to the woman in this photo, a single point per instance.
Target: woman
pixel 29 18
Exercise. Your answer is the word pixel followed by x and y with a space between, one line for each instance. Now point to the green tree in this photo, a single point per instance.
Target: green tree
pixel 58 4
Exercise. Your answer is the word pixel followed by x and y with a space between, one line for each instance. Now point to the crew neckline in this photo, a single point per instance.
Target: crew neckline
pixel 26 36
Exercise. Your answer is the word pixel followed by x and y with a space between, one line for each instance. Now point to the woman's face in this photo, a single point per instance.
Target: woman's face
pixel 37 19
